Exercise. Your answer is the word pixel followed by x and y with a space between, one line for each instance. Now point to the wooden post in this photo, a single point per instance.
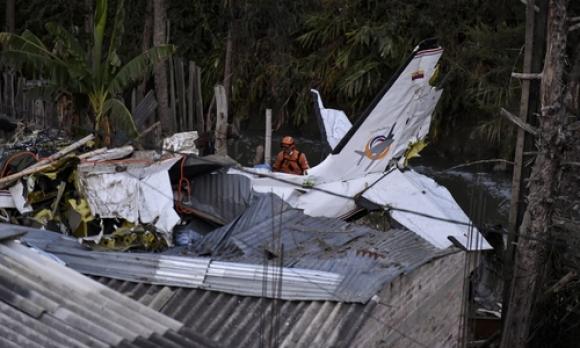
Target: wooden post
pixel 201 127
pixel 180 80
pixel 533 56
pixel 173 107
pixel 268 140
pixel 12 95
pixel 531 256
pixel 221 126
pixel 190 100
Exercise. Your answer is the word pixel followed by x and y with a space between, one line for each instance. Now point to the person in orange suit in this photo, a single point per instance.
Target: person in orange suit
pixel 290 160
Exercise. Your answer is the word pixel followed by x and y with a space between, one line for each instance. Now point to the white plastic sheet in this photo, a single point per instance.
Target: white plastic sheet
pixel 140 194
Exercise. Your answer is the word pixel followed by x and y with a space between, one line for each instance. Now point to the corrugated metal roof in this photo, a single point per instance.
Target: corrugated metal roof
pixel 193 272
pixel 45 304
pixel 240 321
pixel 367 258
pixel 322 258
pixel 221 195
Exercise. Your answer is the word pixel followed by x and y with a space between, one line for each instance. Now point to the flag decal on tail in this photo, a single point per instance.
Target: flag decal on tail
pixel 419 74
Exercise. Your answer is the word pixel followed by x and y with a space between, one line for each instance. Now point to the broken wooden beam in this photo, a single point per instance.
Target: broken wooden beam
pixel 527 76
pixel 518 122
pixel 45 163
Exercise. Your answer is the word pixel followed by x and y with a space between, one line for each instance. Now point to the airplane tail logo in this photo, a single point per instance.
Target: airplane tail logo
pixel 377 148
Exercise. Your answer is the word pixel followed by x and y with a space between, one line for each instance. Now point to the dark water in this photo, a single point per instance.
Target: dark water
pixel 483 194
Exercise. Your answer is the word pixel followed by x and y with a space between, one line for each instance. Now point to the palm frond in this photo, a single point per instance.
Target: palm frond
pixel 117 34
pixel 70 43
pixel 99 33
pixel 135 70
pixel 19 58
pixel 120 116
pixel 27 42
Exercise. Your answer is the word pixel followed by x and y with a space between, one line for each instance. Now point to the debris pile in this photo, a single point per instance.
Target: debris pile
pixel 111 199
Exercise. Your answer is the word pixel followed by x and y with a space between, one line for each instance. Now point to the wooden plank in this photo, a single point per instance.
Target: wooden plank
pixel 518 122
pixel 181 97
pixel 221 127
pixel 12 94
pixel 201 127
pixel 190 99
pixel 45 163
pixel 268 139
pixel 5 91
pixel 172 103
pixel 524 107
pixel 533 58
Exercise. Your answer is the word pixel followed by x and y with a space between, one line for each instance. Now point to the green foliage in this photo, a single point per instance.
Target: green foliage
pixel 346 49
pixel 73 69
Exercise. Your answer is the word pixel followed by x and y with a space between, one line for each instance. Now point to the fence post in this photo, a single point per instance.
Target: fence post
pixel 199 100
pixel 268 144
pixel 173 111
pixel 190 92
pixel 180 81
pixel 221 126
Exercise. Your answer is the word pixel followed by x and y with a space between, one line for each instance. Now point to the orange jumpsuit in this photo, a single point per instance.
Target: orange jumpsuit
pixel 293 163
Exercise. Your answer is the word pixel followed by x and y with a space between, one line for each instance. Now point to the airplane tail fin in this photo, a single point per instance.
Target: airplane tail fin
pixel 398 117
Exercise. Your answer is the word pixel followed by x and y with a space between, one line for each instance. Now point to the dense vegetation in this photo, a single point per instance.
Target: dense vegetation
pixel 347 49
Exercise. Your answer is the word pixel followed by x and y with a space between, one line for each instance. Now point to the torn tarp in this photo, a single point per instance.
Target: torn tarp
pixel 136 190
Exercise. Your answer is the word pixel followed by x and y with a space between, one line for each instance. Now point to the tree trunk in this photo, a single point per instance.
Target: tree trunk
pixel 228 64
pixel 88 23
pixel 146 43
pixel 530 256
pixel 159 38
pixel 11 16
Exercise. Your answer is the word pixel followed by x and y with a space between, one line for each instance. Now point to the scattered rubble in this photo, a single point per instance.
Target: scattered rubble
pixel 110 199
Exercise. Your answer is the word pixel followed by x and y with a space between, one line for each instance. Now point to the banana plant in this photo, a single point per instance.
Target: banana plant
pixel 95 72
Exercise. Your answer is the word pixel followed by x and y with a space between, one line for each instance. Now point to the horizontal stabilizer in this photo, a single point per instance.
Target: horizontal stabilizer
pixel 426 208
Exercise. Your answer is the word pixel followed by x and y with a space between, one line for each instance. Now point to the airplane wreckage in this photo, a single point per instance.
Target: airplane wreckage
pixel 120 199
pixel 367 168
